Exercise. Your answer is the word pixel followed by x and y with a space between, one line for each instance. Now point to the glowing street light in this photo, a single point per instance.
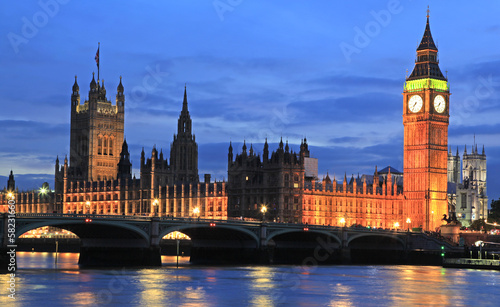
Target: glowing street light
pixel 196 211
pixel 342 221
pixel 155 204
pixel 263 210
pixel 396 225
pixel 10 195
pixel 408 221
pixel 87 204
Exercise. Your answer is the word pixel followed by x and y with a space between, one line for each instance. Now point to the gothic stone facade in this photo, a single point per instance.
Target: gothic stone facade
pixel 279 184
pixel 98 179
pixel 275 182
pixel 467 197
pixel 425 119
pixel 96 133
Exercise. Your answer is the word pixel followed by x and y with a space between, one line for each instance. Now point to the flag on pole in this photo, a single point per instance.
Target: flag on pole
pixel 97 56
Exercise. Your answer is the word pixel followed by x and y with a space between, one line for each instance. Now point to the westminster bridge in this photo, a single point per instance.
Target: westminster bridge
pixel 123 240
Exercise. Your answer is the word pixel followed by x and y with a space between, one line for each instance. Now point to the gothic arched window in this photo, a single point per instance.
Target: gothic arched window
pixel 110 145
pixel 99 145
pixel 105 146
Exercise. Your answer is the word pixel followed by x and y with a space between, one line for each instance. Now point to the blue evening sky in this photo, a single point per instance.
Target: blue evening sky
pixel 331 71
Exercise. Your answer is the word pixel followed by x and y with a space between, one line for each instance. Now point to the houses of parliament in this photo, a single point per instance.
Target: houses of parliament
pixel 277 186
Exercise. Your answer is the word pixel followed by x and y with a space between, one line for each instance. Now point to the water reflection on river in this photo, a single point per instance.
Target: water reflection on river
pixel 40 281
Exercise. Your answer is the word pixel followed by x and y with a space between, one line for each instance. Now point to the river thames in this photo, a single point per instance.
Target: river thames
pixel 42 282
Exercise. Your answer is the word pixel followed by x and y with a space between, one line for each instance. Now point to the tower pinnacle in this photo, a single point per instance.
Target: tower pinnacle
pixel 427 63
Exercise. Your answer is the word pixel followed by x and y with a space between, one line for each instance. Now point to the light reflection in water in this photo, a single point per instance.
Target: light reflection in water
pixel 262 286
pixel 412 286
pixel 342 296
pixel 40 280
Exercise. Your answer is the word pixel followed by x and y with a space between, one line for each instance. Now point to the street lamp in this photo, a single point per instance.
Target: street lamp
pixel 342 221
pixel 87 204
pixel 408 221
pixel 263 210
pixel 10 195
pixel 43 191
pixel 155 204
pixel 396 225
pixel 480 244
pixel 196 211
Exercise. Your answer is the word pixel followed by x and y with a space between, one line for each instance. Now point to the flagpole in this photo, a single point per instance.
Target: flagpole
pixel 99 60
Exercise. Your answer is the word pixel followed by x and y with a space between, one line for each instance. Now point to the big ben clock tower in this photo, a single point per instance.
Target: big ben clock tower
pixel 425 119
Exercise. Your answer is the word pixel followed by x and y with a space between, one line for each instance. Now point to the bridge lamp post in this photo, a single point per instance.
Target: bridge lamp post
pixel 342 221
pixel 196 211
pixel 87 204
pixel 155 204
pixel 396 225
pixel 408 221
pixel 263 210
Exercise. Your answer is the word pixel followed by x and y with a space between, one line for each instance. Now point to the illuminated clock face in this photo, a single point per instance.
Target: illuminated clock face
pixel 415 103
pixel 439 103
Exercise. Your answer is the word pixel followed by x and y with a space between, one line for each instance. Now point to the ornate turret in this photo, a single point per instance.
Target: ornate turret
pixel 304 149
pixel 124 166
pixel 184 150
pixel 75 96
pixel 265 155
pixel 11 183
pixel 427 62
pixel 376 180
pixel 230 154
pixel 93 84
pixel 102 91
pixel 119 88
pixel 427 42
pixel 244 148
pixel 327 178
pixel 120 97
pixel 76 88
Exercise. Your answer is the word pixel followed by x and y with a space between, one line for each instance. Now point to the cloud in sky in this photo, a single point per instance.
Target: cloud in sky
pixel 265 69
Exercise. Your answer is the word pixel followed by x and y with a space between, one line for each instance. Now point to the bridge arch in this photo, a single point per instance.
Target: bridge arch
pixel 190 229
pixel 392 237
pixel 384 240
pixel 78 227
pixel 311 231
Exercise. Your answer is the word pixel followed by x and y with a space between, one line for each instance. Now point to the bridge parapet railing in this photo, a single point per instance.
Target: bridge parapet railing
pixel 205 221
pixel 74 215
